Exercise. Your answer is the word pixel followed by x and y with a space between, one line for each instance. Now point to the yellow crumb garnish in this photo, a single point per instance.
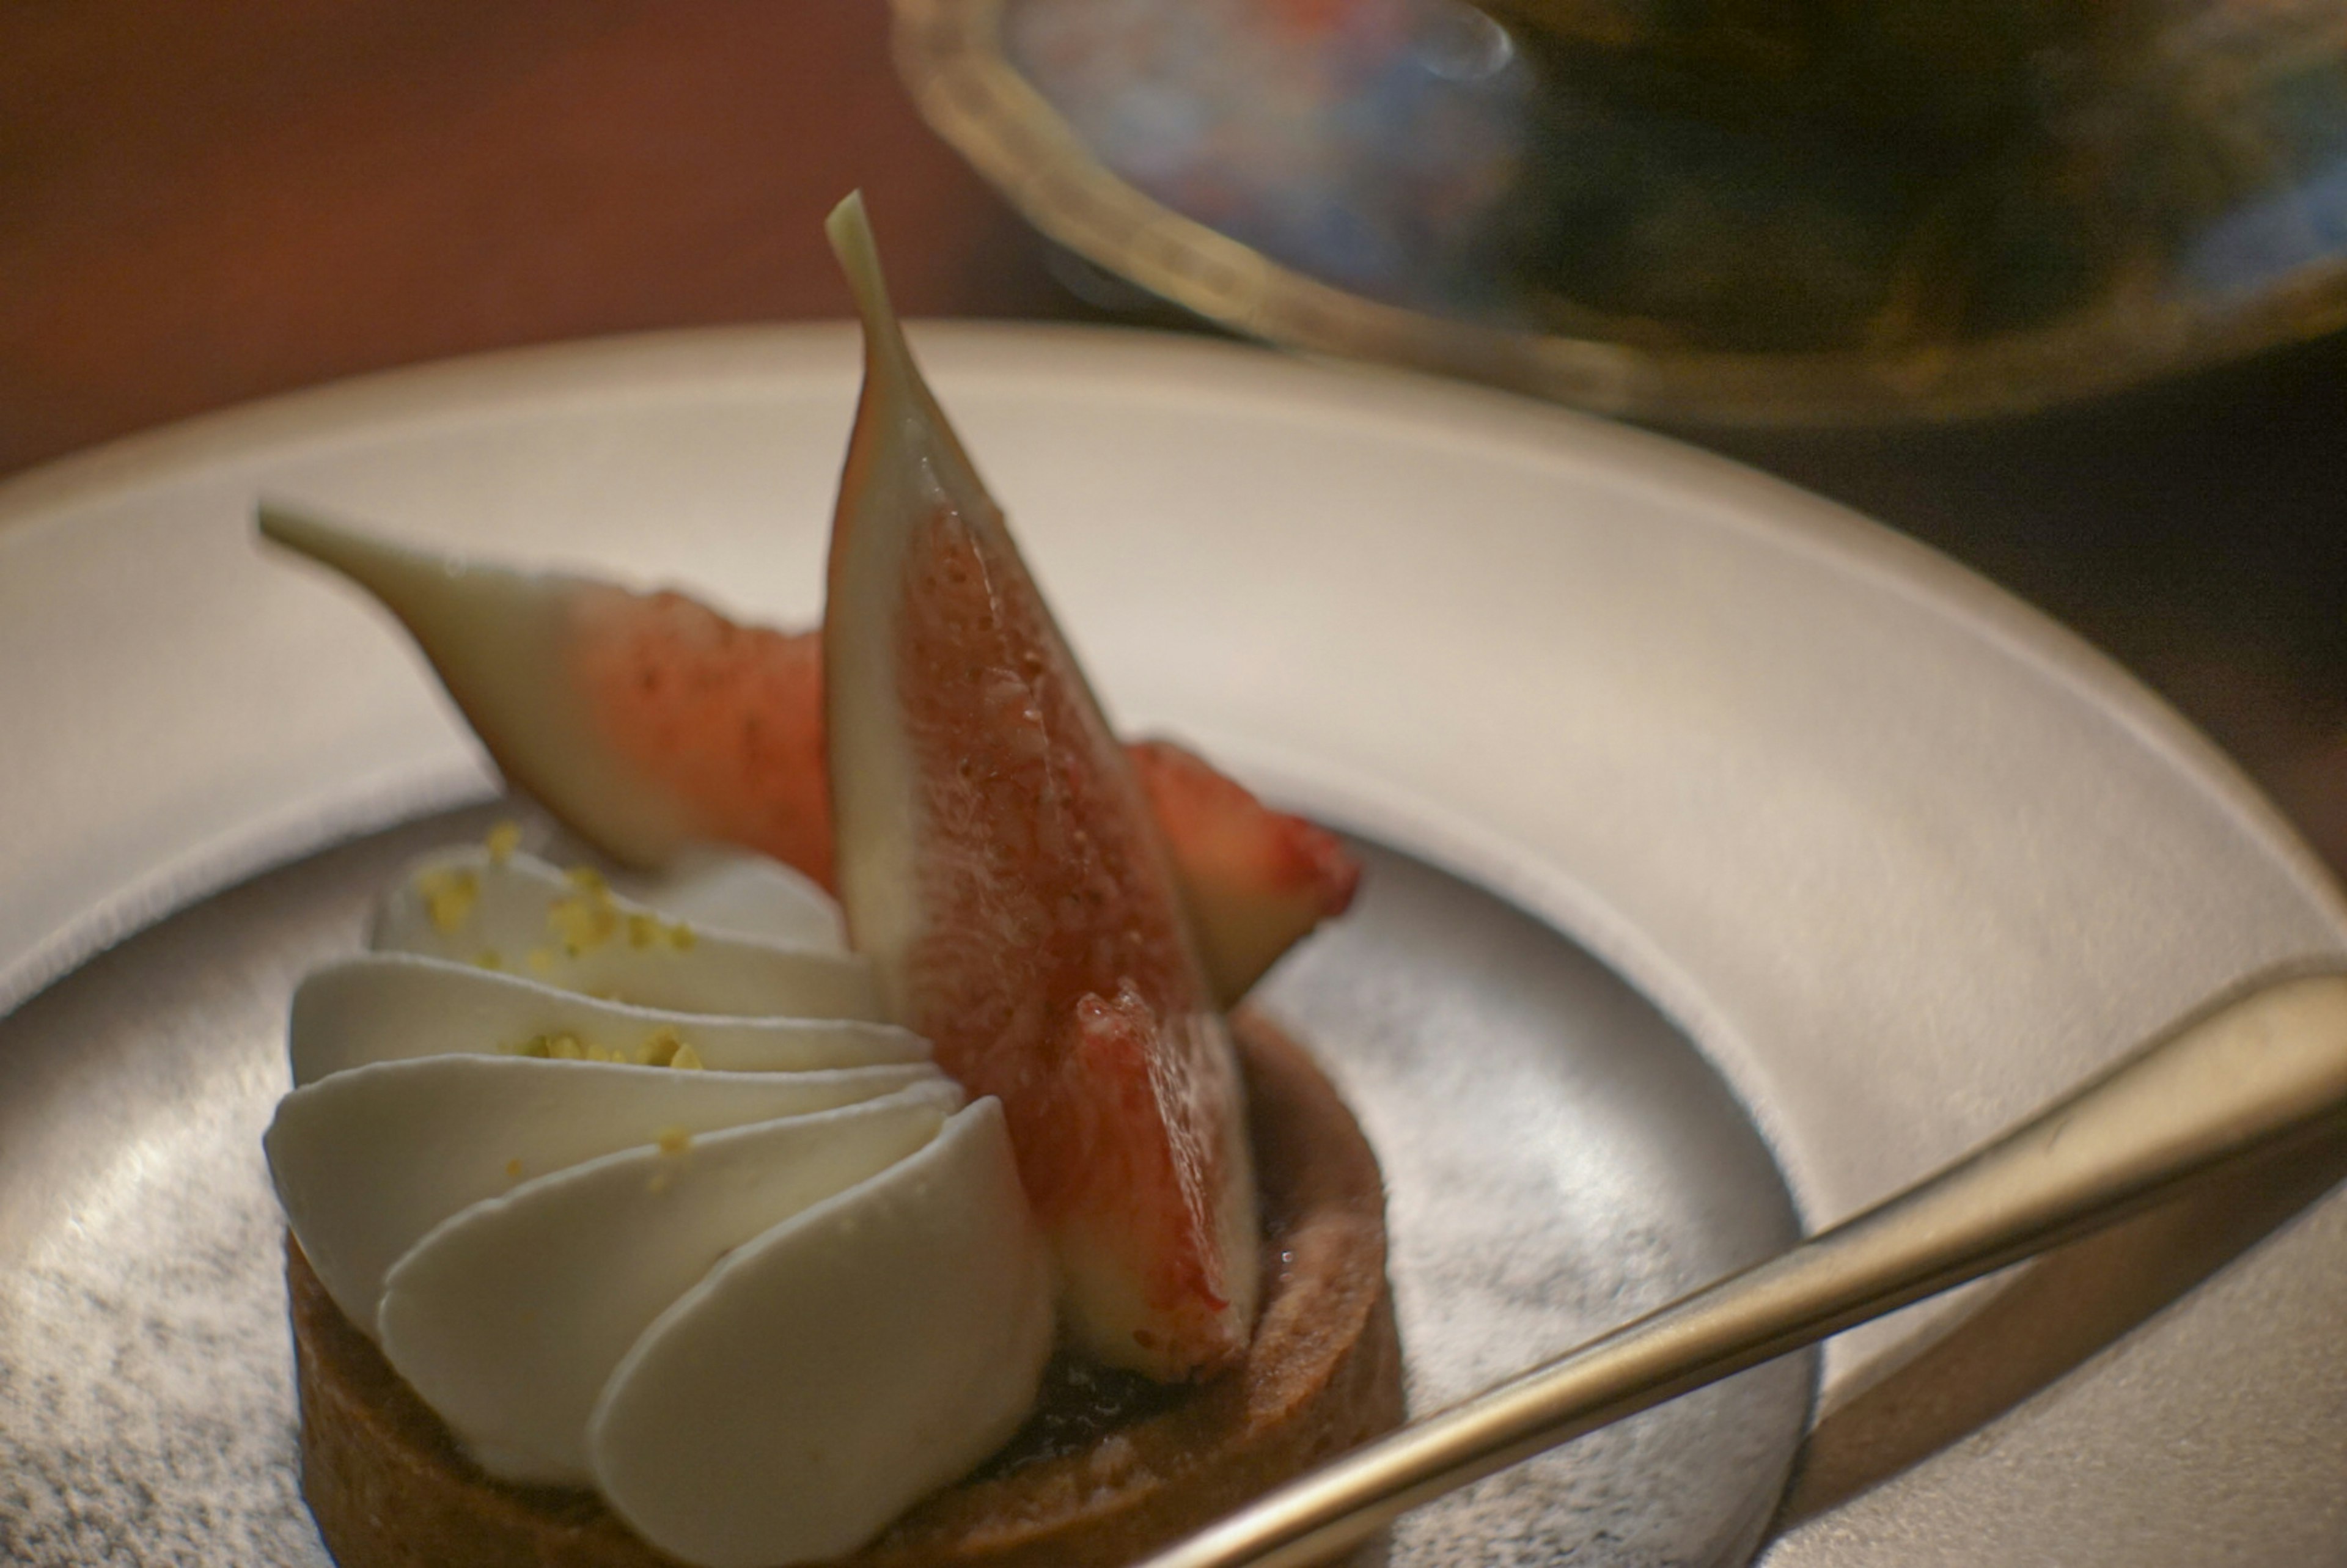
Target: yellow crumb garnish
pixel 565 1048
pixel 449 894
pixel 541 959
pixel 660 1047
pixel 585 920
pixel 586 878
pixel 673 1140
pixel 489 958
pixel 680 937
pixel 534 1045
pixel 686 1059
pixel 513 1170
pixel 503 840
pixel 643 931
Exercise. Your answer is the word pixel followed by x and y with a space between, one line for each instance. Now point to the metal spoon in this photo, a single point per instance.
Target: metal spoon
pixel 2234 1081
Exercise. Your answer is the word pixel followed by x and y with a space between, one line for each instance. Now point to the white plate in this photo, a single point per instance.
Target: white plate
pixel 1902 858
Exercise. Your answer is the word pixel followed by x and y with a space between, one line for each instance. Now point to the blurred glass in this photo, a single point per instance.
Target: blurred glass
pixel 1759 211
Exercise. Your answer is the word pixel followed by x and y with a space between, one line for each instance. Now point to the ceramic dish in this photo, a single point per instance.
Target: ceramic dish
pixel 1738 861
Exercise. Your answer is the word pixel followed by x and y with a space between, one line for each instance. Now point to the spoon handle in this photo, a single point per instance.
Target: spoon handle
pixel 2232 1081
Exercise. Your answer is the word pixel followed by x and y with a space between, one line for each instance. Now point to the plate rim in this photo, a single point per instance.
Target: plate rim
pixel 541 373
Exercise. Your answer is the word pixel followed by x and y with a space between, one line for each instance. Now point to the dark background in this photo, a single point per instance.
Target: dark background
pixel 200 205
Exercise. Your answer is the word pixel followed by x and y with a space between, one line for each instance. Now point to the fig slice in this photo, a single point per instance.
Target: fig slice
pixel 645 722
pixel 648 721
pixel 1000 869
pixel 1256 881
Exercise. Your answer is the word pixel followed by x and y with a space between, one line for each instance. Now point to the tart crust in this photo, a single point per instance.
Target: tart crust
pixel 390 1489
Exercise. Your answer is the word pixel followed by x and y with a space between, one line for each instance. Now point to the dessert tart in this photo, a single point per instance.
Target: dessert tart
pixel 1097 1477
pixel 676 1212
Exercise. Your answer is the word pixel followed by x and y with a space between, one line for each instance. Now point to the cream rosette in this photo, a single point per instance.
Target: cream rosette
pixel 639 1194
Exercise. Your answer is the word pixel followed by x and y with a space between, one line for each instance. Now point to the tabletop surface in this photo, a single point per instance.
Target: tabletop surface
pixel 203 206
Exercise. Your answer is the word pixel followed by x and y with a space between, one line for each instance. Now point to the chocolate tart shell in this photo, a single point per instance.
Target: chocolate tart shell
pixel 390 1489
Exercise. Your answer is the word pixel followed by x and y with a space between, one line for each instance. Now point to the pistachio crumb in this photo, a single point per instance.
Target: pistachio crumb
pixel 513 1170
pixel 660 1047
pixel 583 920
pixel 673 1140
pixel 503 840
pixel 489 958
pixel 449 894
pixel 686 1059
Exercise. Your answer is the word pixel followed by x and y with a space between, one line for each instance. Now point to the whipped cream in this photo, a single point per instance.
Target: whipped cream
pixel 637 1194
